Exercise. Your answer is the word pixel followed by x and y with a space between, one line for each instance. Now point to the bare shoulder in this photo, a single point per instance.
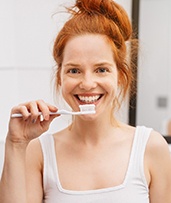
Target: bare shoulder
pixel 34 152
pixel 157 143
pixel 158 159
pixel 34 145
pixel 157 152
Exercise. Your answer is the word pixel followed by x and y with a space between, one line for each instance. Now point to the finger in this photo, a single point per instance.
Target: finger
pixel 34 110
pixel 46 109
pixel 21 109
pixel 45 123
pixel 52 108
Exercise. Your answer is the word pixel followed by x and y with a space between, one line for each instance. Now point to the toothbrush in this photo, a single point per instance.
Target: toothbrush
pixel 84 109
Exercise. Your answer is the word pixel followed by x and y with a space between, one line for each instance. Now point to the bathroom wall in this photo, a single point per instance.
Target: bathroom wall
pixel 154 73
pixel 28 29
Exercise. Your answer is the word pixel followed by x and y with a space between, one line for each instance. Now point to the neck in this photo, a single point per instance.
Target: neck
pixel 93 131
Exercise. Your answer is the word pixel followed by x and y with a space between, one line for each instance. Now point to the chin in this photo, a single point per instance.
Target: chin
pixel 88 117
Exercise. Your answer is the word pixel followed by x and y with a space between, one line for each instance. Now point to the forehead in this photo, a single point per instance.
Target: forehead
pixel 88 45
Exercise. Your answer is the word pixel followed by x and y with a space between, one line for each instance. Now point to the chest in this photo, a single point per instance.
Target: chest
pixel 92 168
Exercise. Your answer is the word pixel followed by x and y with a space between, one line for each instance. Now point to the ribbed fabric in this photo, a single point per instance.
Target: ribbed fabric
pixel 134 189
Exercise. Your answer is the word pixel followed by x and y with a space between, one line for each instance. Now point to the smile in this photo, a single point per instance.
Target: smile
pixel 89 99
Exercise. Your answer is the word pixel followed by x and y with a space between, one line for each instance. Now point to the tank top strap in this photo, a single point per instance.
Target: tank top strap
pixel 49 160
pixel 142 135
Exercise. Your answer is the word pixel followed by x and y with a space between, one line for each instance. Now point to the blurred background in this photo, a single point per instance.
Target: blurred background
pixel 27 32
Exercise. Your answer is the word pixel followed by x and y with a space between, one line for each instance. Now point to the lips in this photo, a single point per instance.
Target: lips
pixel 89 99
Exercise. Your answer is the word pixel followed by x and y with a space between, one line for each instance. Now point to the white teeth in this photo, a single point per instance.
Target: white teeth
pixel 89 99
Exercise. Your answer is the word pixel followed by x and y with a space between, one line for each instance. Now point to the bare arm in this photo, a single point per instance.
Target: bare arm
pixel 21 132
pixel 13 176
pixel 34 169
pixel 160 169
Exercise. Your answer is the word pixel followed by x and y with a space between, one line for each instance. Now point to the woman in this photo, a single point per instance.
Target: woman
pixel 97 158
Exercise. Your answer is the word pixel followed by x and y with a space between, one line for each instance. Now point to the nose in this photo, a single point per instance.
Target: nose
pixel 88 82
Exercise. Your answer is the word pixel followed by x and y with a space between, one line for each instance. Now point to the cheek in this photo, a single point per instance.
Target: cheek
pixel 112 84
pixel 114 89
pixel 67 86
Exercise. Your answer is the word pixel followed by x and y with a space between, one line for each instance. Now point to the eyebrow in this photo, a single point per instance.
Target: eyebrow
pixel 97 64
pixel 103 64
pixel 71 65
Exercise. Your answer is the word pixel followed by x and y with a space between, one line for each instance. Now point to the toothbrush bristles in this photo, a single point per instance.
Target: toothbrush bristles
pixel 89 108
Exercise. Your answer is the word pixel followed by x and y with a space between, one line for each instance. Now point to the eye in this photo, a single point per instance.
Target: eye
pixel 102 70
pixel 74 71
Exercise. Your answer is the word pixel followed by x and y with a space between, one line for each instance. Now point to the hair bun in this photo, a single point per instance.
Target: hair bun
pixel 89 6
pixel 110 10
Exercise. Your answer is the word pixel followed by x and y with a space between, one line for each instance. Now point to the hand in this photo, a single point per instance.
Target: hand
pixel 30 126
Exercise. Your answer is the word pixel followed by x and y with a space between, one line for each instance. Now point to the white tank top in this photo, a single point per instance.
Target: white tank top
pixel 134 188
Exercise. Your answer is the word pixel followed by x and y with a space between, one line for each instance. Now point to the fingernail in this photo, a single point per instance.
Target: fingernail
pixel 41 118
pixel 34 121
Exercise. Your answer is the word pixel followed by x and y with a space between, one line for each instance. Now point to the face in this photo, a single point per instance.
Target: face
pixel 89 74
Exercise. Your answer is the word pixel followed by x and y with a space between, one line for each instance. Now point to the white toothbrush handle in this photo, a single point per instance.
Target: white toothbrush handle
pixel 64 112
pixel 84 109
pixel 19 115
